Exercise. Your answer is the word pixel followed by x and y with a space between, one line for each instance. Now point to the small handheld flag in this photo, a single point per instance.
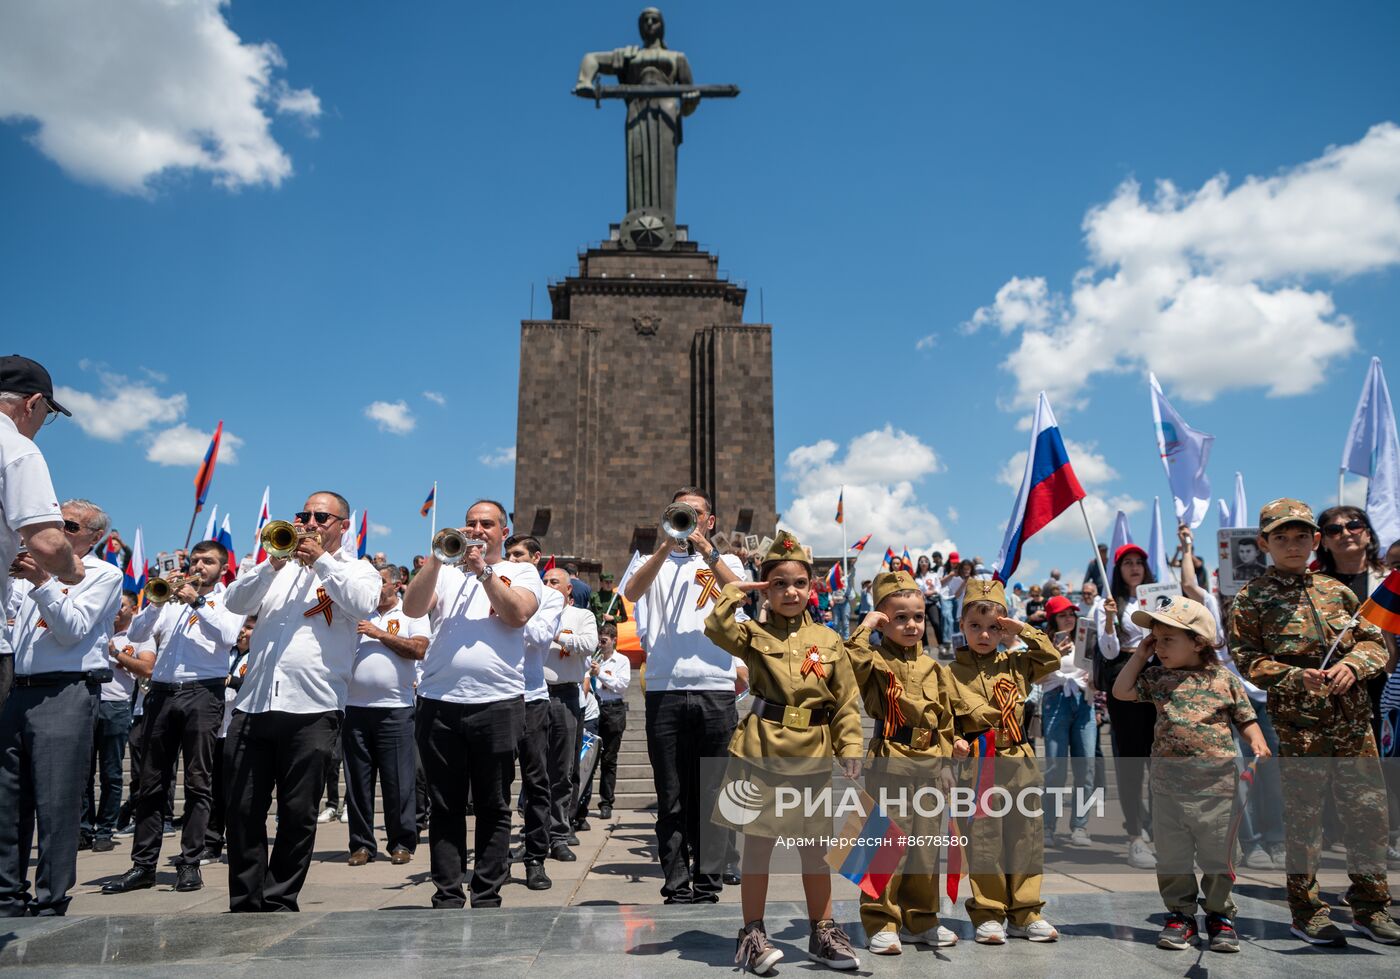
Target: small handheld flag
pixel 908 561
pixel 833 578
pixel 841 507
pixel 264 515
pixel 225 537
pixel 428 503
pixel 870 849
pixel 205 476
pixel 362 538
pixel 859 545
pixel 1382 609
pixel 889 558
pixel 135 577
pixel 112 552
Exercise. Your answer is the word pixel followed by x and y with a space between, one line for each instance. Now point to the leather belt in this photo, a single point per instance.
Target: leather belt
pixel 56 679
pixel 215 684
pixel 797 718
pixel 918 738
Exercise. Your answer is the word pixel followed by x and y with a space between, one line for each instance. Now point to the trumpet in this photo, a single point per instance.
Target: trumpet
pixel 679 521
pixel 161 590
pixel 280 539
pixel 450 545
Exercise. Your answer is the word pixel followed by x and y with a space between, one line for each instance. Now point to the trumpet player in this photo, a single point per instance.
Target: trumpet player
pixel 287 717
pixel 471 704
pixel 690 713
pixel 192 631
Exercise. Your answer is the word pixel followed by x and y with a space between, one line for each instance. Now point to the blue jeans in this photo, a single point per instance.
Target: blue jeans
pixel 99 819
pixel 841 618
pixel 1067 724
pixel 1262 823
pixel 951 607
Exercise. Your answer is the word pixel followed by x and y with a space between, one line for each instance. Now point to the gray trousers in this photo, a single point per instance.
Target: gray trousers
pixel 45 748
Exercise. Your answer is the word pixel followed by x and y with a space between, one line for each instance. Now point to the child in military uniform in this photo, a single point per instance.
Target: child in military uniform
pixel 1194 773
pixel 1007 852
pixel 1282 625
pixel 805 712
pixel 916 703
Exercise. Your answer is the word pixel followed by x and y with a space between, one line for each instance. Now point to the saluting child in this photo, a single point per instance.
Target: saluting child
pixel 1007 852
pixel 917 706
pixel 1194 771
pixel 805 712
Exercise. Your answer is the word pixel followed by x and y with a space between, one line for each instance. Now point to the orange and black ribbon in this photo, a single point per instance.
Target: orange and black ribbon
pixel 322 606
pixel 1007 698
pixel 812 663
pixel 393 627
pixel 709 588
pixel 564 650
pixel 894 716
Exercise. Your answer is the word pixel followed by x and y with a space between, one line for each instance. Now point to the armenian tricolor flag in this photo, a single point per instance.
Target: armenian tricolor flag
pixel 1382 609
pixel 859 545
pixel 362 538
pixel 889 558
pixel 205 476
pixel 841 507
pixel 833 578
pixel 427 506
pixel 870 866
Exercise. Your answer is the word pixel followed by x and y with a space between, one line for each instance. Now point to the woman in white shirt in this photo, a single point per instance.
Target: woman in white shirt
pixel 1067 722
pixel 1131 722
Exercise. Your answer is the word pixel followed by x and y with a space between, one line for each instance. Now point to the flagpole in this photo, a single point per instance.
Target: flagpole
pixel 1341 482
pixel 433 532
pixel 190 533
pixel 845 543
pixel 1098 557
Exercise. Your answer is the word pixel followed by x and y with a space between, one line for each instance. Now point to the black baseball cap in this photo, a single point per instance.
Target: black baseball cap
pixel 24 376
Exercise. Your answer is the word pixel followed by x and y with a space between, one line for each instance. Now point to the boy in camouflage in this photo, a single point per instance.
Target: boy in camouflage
pixel 1281 627
pixel 1193 770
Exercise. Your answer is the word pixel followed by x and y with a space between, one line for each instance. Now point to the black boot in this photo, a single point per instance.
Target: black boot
pixel 135 879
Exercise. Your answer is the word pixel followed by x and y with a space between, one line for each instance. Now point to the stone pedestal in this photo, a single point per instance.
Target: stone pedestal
pixel 645 379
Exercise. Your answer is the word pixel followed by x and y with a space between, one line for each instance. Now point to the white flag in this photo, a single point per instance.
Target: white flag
pixel 347 536
pixel 1157 557
pixel 1184 453
pixel 1225 518
pixel 1121 535
pixel 212 526
pixel 1236 515
pixel 1373 450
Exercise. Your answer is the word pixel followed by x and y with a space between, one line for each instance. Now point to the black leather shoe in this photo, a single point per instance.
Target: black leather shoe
pixel 85 843
pixel 731 874
pixel 102 844
pixel 563 854
pixel 536 879
pixel 605 812
pixel 581 824
pixel 134 879
pixel 572 839
pixel 188 877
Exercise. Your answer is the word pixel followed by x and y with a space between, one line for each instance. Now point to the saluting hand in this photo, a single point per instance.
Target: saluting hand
pixel 1010 626
pixel 875 621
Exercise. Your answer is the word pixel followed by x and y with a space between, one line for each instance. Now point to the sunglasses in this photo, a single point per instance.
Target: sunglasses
pixel 72 526
pixel 1335 529
pixel 320 516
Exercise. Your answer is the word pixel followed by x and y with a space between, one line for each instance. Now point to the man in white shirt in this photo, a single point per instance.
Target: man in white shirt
pixel 565 667
pixel 218 807
pixel 46 726
pixel 611 672
pixel 379 725
pixel 193 633
pixel 471 702
pixel 533 749
pixel 690 712
pixel 287 716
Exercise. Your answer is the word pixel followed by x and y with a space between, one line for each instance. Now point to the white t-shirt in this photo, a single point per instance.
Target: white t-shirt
pixel 474 657
pixel 26 498
pixel 567 659
pixel 383 678
pixel 64 628
pixel 539 634
pixel 671 622
pixel 123 684
pixel 590 702
pixel 1133 633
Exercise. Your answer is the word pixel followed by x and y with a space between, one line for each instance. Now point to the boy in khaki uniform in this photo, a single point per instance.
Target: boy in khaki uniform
pixel 1007 851
pixel 917 706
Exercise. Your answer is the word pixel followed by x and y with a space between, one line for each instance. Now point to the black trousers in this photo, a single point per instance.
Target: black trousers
pixel 136 748
pixel 1131 725
pixel 420 779
pixel 563 724
pixel 178 723
pixel 684 728
pixel 462 745
pixel 45 746
pixel 333 776
pixel 534 781
pixel 378 741
pixel 218 813
pixel 267 752
pixel 612 722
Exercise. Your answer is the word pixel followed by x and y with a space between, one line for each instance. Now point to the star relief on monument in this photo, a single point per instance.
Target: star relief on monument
pixel 646 325
pixel 647 229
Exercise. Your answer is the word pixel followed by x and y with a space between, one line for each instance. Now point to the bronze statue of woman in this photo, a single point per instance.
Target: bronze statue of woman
pixel 653 125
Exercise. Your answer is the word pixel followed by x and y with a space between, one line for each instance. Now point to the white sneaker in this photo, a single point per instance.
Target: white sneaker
pixel 1080 837
pixel 327 814
pixel 1038 930
pixel 344 815
pixel 885 943
pixel 1140 856
pixel 1258 859
pixel 990 933
pixel 937 936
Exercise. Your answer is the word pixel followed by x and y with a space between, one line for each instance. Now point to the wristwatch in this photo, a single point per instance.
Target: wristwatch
pixel 485 573
pixel 711 558
pixel 198 602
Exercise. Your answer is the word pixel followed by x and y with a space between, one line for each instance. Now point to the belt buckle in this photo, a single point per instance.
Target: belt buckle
pixel 921 738
pixel 797 717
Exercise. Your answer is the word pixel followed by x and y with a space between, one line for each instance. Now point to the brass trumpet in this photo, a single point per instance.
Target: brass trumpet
pixel 161 590
pixel 450 545
pixel 679 521
pixel 280 539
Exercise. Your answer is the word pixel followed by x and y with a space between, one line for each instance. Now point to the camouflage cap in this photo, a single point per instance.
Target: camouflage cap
pixel 1279 512
pixel 1180 613
pixel 984 590
pixel 890 583
pixel 786 548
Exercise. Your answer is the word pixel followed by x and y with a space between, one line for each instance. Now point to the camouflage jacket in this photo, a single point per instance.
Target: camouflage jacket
pixel 1282 624
pixel 1196 710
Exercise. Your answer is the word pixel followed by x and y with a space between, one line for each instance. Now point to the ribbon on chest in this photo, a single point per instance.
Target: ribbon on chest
pixel 709 588
pixel 812 663
pixel 1007 697
pixel 322 606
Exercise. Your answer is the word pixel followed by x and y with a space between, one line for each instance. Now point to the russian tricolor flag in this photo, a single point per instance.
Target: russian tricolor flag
pixel 205 476
pixel 225 537
pixel 135 577
pixel 1048 488
pixel 264 515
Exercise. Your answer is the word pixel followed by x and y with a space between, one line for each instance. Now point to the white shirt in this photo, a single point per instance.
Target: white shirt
pixel 474 657
pixel 953 586
pixel 239 668
pixel 671 622
pixel 1222 652
pixel 1134 633
pixel 193 643
pixel 299 661
pixel 590 703
pixel 383 678
pixel 614 673
pixel 568 656
pixel 64 628
pixel 26 498
pixel 123 684
pixel 539 634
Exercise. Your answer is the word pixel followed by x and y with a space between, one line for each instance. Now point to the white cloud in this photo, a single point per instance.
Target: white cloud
pixel 379 530
pixel 952 514
pixel 438 399
pixel 1094 474
pixel 1232 271
pixel 501 457
pixel 123 408
pixel 927 342
pixel 391 416
pixel 122 92
pixel 878 472
pixel 185 446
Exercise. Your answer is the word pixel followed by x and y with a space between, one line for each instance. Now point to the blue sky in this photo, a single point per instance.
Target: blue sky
pixel 406 173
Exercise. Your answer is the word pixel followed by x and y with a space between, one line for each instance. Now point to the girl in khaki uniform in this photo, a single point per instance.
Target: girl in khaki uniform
pixel 1007 852
pixel 805 712
pixel 917 706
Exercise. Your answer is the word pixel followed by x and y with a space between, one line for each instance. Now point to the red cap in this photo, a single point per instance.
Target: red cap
pixel 1058 604
pixel 952 556
pixel 1127 549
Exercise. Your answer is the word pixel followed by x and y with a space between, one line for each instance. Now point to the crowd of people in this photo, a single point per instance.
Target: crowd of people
pixel 490 683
